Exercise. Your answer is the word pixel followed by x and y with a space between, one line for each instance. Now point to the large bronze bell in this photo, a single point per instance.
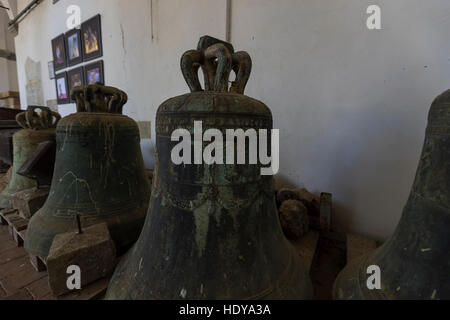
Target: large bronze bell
pixel 38 127
pixel 212 231
pixel 415 262
pixel 99 173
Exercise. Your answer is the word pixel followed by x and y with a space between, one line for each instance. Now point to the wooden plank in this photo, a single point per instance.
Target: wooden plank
pixel 6 242
pixel 21 278
pixel 16 226
pixel 359 245
pixel 39 288
pixel 5 215
pixel 9 94
pixel 2 293
pixel 37 263
pixel 49 296
pixel 12 266
pixel 22 234
pixel 328 262
pixel 19 224
pixel 22 294
pixel 306 247
pixel 18 239
pixel 94 291
pixel 11 254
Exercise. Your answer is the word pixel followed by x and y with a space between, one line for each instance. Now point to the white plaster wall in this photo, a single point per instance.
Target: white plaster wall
pixel 4 85
pixel 351 103
pixel 147 69
pixel 8 70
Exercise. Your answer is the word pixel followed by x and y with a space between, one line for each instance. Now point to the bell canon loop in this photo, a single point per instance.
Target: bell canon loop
pixel 37 128
pixel 415 262
pixel 99 173
pixel 212 230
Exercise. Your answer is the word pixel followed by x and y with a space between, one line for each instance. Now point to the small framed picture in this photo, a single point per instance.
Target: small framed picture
pixel 93 73
pixel 73 46
pixel 51 70
pixel 75 78
pixel 91 38
pixel 62 89
pixel 59 52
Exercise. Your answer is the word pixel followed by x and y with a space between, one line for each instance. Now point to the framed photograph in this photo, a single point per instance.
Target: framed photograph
pixel 93 73
pixel 51 70
pixel 59 53
pixel 73 46
pixel 91 38
pixel 62 89
pixel 75 78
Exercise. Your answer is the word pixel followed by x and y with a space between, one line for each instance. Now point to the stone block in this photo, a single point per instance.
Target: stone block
pixel 311 201
pixel 294 219
pixel 29 201
pixel 285 194
pixel 93 252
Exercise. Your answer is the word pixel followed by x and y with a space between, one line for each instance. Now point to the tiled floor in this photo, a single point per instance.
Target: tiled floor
pixel 18 279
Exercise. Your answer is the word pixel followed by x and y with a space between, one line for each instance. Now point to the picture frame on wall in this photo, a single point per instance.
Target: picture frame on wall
pixel 75 78
pixel 62 88
pixel 91 38
pixel 59 52
pixel 73 47
pixel 51 70
pixel 93 73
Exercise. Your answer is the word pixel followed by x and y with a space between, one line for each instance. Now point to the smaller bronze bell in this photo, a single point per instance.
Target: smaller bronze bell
pixel 99 173
pixel 38 128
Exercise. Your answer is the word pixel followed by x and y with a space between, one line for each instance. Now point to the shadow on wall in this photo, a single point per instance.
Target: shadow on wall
pixel 371 172
pixel 148 153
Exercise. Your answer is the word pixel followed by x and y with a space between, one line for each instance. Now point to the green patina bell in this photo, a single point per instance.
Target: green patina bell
pixel 212 231
pixel 415 262
pixel 38 128
pixel 99 173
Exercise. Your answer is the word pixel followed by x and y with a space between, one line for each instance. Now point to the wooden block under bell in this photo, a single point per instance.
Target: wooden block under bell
pixel 92 250
pixel 29 201
pixel 5 214
pixel 38 263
